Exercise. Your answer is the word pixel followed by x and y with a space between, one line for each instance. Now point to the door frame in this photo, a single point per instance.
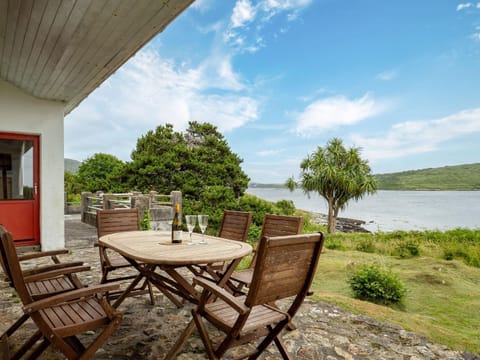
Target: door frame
pixel 36 184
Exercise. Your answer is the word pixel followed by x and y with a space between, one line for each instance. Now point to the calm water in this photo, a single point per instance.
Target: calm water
pixel 396 210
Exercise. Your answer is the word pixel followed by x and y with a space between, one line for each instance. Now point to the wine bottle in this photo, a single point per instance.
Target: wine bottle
pixel 176 226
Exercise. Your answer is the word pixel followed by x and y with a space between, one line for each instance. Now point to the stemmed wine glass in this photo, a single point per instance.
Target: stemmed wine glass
pixel 203 222
pixel 190 220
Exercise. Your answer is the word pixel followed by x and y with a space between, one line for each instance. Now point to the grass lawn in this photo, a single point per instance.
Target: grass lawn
pixel 442 302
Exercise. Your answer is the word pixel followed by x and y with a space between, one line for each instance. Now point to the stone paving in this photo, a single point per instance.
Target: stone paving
pixel 147 332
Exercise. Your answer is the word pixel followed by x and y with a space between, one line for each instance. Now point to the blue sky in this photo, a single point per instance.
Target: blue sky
pixel 399 79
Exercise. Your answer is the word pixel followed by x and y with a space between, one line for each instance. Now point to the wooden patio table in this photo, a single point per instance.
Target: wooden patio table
pixel 151 251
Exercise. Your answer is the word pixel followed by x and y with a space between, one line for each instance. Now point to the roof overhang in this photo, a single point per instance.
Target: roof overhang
pixel 63 50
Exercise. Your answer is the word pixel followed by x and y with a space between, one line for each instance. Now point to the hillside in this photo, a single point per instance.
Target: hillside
pixel 71 165
pixel 459 177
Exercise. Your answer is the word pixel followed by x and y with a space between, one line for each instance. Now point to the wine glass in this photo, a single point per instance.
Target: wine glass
pixel 203 222
pixel 190 220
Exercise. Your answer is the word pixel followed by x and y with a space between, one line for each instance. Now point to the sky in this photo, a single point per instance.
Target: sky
pixel 398 79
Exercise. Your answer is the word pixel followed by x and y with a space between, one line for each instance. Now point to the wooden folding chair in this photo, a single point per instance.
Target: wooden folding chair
pixel 235 226
pixel 285 268
pixel 60 317
pixel 41 282
pixel 273 225
pixel 113 221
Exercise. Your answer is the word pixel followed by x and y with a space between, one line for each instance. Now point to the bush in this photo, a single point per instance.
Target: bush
pixel 145 222
pixel 374 283
pixel 367 246
pixel 285 207
pixel 257 206
pixel 334 243
pixel 407 249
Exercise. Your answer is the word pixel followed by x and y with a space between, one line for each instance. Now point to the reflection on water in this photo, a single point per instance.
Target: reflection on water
pixel 396 210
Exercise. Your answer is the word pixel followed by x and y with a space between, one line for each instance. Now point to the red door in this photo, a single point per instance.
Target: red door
pixel 19 187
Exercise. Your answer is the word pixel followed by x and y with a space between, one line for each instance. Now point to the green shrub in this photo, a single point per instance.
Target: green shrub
pixel 377 284
pixel 254 234
pixel 145 222
pixel 334 243
pixel 257 206
pixel 367 246
pixel 448 253
pixel 407 249
pixel 285 207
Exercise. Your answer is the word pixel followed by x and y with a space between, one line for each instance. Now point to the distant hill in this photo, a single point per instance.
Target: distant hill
pixel 458 177
pixel 71 165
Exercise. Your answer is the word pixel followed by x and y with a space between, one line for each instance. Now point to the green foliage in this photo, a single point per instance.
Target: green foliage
pixel 338 175
pixel 165 160
pixel 334 243
pixel 101 172
pixel 377 284
pixel 459 177
pixel 74 199
pixel 257 206
pixel 71 184
pixel 145 222
pixel 286 207
pixel 407 249
pixel 458 243
pixel 366 245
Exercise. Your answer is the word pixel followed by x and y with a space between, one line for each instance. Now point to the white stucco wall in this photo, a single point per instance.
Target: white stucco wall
pixel 22 113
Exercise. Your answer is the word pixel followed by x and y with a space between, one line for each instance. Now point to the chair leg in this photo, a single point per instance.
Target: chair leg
pixel 204 335
pixel 39 350
pixel 273 336
pixel 29 345
pixel 150 292
pixel 281 346
pixel 181 341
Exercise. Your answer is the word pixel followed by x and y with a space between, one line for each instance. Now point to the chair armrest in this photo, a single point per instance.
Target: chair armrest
pixel 54 273
pixel 68 296
pixel 36 255
pixel 222 294
pixel 45 268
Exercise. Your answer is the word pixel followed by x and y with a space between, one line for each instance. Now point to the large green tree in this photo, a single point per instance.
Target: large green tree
pixel 166 160
pixel 337 174
pixel 100 173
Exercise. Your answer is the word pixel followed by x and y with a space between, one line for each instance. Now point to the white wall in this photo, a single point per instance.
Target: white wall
pixel 22 113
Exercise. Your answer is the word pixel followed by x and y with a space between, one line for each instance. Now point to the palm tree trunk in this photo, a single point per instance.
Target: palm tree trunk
pixel 331 217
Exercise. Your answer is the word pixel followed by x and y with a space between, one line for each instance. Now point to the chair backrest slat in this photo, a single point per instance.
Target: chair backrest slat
pixel 12 266
pixel 235 225
pixel 281 225
pixel 118 220
pixel 285 267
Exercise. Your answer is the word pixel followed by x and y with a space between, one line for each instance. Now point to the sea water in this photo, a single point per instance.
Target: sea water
pixel 395 210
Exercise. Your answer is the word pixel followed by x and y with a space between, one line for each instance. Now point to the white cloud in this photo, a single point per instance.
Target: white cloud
pixel 463 6
pixel 149 91
pixel 265 153
pixel 202 5
pixel 475 36
pixel 415 137
pixel 248 21
pixel 337 111
pixel 387 75
pixel 243 13
pixel 478 5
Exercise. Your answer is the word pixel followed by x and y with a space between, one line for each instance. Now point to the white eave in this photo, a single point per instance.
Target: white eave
pixel 62 50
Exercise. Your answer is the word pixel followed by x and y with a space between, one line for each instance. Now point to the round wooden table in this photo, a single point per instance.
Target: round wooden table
pixel 152 250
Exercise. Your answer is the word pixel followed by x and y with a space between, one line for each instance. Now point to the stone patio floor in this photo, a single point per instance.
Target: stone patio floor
pixel 147 332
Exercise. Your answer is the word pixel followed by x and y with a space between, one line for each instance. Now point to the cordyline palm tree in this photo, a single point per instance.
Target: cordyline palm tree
pixel 338 175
